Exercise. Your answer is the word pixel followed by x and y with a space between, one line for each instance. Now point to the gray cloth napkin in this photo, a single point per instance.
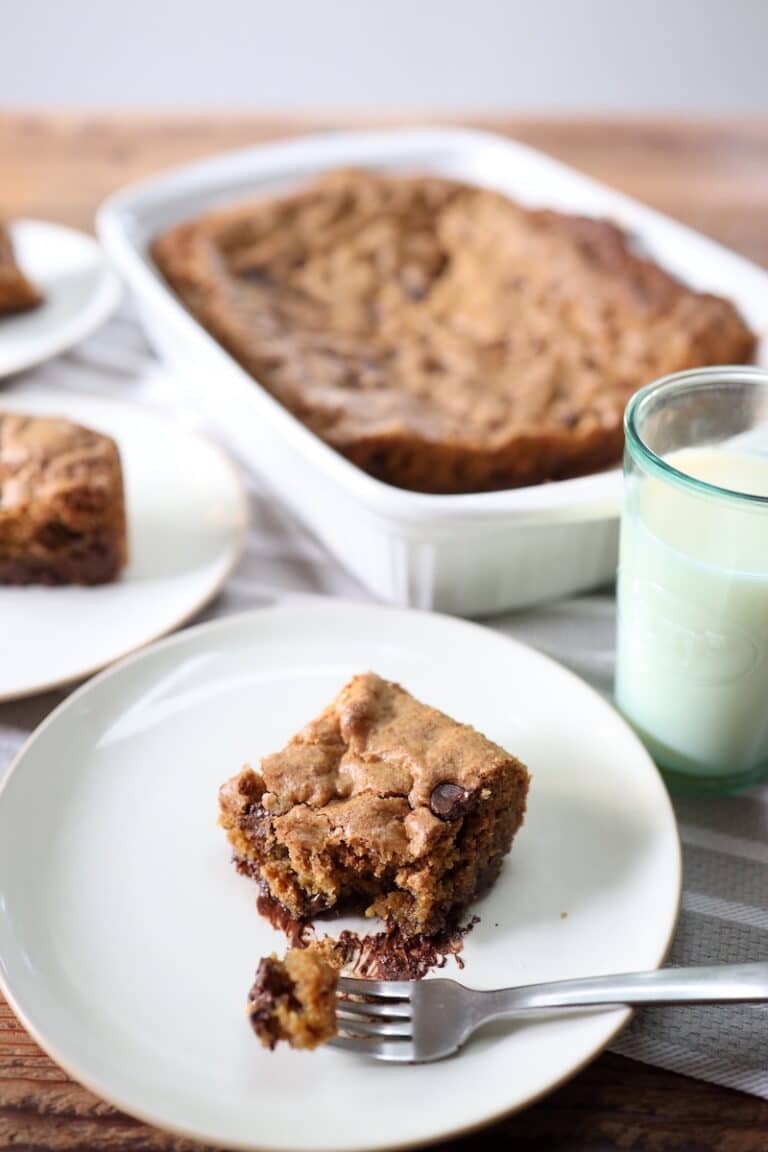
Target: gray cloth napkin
pixel 725 840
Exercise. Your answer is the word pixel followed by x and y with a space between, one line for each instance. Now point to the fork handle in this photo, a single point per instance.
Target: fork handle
pixel 719 984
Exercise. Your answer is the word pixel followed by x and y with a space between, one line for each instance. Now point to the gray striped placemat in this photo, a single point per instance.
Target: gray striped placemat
pixel 725 840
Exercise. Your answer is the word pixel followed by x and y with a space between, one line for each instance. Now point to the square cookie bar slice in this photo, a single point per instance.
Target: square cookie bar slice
pixel 62 509
pixel 380 801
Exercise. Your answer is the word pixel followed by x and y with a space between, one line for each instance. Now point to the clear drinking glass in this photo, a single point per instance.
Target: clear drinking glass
pixel 692 654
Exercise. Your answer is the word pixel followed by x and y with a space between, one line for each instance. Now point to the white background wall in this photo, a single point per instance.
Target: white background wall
pixel 357 55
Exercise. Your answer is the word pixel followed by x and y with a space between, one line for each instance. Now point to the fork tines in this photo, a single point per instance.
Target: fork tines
pixel 380 989
pixel 375 1017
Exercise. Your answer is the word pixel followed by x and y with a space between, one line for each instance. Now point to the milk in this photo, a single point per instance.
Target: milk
pixel 692 660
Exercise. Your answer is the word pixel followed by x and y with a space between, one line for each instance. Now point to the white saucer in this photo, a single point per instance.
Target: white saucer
pixel 80 289
pixel 128 941
pixel 187 519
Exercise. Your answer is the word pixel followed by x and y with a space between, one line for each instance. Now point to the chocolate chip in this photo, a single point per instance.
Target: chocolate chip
pixel 271 980
pixel 448 801
pixel 570 419
pixel 54 535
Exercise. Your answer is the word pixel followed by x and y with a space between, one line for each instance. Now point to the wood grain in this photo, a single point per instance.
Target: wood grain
pixel 713 176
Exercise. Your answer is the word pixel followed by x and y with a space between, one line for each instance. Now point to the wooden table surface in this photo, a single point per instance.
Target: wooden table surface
pixel 713 176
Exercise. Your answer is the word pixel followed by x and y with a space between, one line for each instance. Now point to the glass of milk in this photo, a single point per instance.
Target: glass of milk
pixel 692 656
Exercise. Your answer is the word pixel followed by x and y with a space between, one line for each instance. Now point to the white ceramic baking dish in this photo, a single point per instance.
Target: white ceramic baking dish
pixel 471 554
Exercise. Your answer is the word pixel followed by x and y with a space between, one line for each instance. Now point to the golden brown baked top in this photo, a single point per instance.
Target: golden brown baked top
pixel 61 468
pixel 441 335
pixel 62 509
pixel 17 293
pixel 382 799
pixel 377 769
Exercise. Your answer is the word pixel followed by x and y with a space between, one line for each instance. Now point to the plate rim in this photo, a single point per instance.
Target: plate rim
pixel 92 315
pixel 84 677
pixel 319 601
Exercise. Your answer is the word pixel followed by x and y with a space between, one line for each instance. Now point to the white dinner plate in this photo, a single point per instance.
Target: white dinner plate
pixel 129 942
pixel 80 290
pixel 187 519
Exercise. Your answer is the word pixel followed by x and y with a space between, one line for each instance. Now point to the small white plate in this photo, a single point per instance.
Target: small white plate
pixel 80 289
pixel 128 941
pixel 187 519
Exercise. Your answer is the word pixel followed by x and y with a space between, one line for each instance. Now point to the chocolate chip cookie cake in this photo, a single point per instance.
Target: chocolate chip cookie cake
pixel 380 801
pixel 62 508
pixel 441 336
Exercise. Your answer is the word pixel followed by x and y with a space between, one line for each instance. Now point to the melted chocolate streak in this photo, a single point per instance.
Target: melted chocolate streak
pixel 386 955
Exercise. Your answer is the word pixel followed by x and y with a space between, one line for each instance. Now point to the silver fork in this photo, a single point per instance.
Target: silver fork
pixel 414 1021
